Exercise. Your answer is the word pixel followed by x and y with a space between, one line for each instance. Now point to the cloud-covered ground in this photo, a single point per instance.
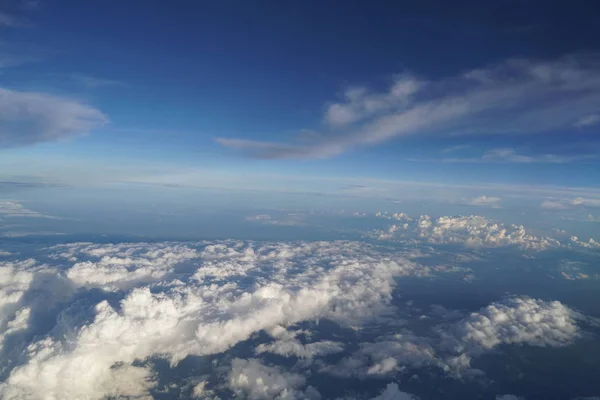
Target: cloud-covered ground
pixel 260 320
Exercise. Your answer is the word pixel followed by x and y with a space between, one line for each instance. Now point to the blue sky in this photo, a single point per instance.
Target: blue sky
pixel 167 92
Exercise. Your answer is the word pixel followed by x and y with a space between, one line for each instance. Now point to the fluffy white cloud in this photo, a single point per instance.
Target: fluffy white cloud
pixel 92 350
pixel 252 380
pixel 388 355
pixel 115 267
pixel 473 231
pixel 590 244
pixel 29 117
pixel 288 345
pixel 217 295
pixel 517 320
pixel 518 96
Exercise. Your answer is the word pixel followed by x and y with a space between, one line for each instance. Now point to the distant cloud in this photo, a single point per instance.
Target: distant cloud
pixel 588 120
pixel 15 209
pixel 564 204
pixel 453 149
pixel 553 205
pixel 92 82
pixel 485 201
pixel 10 21
pixel 250 379
pixel 27 118
pixel 472 231
pixel 509 155
pixel 517 96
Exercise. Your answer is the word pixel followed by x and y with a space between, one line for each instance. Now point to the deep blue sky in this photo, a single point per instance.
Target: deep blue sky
pixel 233 87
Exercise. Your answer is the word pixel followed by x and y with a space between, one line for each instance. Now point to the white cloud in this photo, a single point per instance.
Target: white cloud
pixel 91 351
pixel 118 267
pixel 590 244
pixel 392 392
pixel 388 355
pixel 563 204
pixel 518 96
pixel 553 205
pixel 587 202
pixel 15 209
pixel 473 231
pixel 172 300
pixel 514 321
pixel 517 320
pixel 252 380
pixel 287 345
pixel 485 201
pixel 30 117
pixel 508 397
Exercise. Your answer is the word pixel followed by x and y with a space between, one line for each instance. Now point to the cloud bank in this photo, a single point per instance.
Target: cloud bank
pixel 93 320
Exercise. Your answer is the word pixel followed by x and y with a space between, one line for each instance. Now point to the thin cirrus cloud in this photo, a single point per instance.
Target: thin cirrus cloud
pixel 512 156
pixel 564 204
pixel 517 96
pixel 27 118
pixel 94 82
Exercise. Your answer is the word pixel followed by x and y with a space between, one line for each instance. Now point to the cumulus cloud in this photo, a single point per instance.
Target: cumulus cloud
pixel 288 345
pixel 117 267
pixel 252 380
pixel 473 231
pixel 513 321
pixel 91 353
pixel 517 96
pixel 516 320
pixel 29 117
pixel 388 355
pixel 105 322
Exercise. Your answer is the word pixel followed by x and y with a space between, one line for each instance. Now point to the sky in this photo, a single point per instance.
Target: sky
pixel 343 105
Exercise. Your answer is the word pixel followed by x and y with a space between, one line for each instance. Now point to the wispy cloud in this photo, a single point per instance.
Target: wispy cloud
pixel 518 96
pixel 509 155
pixel 588 120
pixel 563 204
pixel 31 117
pixel 10 21
pixel 93 82
pixel 456 148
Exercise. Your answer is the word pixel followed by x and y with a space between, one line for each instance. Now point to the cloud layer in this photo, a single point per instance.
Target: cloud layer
pixel 93 320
